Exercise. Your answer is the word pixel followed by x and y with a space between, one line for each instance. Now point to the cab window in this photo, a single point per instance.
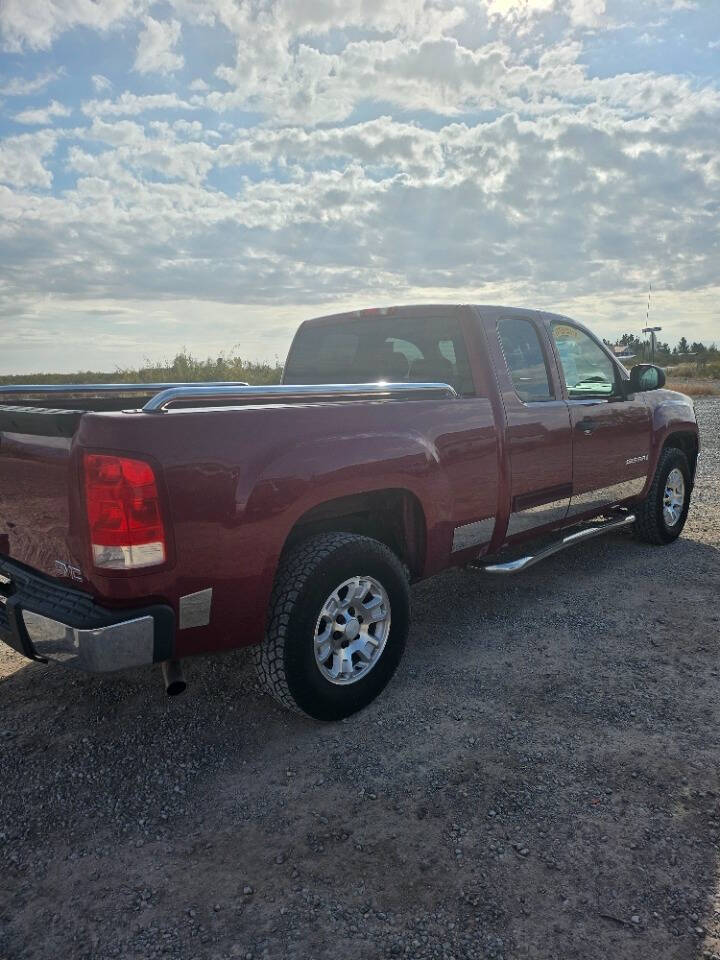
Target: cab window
pixel 394 348
pixel 525 359
pixel 588 370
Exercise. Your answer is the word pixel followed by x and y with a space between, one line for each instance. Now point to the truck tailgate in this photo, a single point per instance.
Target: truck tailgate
pixel 34 502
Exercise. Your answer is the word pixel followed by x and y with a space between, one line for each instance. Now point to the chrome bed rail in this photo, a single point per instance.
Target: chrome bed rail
pixel 288 392
pixel 60 388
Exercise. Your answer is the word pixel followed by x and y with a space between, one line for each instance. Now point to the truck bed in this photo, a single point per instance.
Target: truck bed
pixel 43 431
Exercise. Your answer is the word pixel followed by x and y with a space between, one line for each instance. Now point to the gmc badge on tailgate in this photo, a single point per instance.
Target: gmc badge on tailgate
pixel 67 570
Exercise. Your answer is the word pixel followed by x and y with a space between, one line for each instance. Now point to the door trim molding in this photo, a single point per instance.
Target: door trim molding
pixel 552 511
pixel 606 496
pixel 474 534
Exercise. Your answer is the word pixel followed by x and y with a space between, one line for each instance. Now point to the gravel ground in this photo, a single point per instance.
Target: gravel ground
pixel 540 780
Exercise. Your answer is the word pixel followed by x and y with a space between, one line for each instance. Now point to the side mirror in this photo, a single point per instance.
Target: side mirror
pixel 646 376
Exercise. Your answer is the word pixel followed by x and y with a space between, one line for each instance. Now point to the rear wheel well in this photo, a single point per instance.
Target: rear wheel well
pixel 688 443
pixel 394 517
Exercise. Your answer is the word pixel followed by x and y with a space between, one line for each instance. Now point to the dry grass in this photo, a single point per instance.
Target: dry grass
pixel 184 368
pixel 696 388
pixel 708 369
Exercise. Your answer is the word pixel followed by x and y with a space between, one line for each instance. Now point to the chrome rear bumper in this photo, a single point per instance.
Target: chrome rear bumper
pixel 97 650
pixel 45 620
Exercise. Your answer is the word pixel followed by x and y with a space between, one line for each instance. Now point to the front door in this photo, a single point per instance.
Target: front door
pixel 610 432
pixel 538 427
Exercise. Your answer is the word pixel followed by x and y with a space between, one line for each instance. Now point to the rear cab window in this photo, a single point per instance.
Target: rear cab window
pixel 392 348
pixel 525 359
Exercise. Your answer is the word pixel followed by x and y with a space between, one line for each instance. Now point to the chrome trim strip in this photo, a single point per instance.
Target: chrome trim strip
pixel 194 609
pixel 280 392
pixel 606 496
pixel 473 534
pixel 108 387
pixel 114 647
pixel 515 566
pixel 522 520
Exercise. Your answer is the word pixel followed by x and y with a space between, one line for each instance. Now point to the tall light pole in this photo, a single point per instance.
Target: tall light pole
pixel 652 331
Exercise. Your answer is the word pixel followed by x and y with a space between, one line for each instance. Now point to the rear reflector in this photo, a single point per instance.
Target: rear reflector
pixel 124 516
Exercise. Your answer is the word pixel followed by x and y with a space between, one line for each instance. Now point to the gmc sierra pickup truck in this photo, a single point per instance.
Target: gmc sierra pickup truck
pixel 146 523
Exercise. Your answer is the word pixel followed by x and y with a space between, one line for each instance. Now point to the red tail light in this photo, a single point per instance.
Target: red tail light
pixel 123 507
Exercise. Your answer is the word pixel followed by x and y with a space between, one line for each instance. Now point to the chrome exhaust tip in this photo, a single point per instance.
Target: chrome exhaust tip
pixel 173 678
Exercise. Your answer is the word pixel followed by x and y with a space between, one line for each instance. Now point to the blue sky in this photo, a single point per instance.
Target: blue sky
pixel 206 173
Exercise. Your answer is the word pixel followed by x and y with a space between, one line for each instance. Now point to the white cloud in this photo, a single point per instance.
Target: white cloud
pixel 101 83
pixel 518 8
pixel 306 85
pixel 36 23
pixel 21 159
pixel 282 19
pixel 587 13
pixel 21 87
pixel 131 104
pixel 155 52
pixel 42 116
pixel 536 180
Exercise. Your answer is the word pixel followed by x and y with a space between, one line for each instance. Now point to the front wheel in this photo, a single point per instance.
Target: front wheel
pixel 659 519
pixel 338 621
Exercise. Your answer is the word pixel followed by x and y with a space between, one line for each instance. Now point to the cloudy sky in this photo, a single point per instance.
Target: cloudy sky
pixel 207 173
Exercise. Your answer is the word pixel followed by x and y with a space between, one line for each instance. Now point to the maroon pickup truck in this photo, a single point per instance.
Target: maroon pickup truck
pixel 401 442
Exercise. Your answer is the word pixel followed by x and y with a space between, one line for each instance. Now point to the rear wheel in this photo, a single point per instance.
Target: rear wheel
pixel 337 625
pixel 661 517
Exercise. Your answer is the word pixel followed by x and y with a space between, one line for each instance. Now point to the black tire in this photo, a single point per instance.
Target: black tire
pixel 285 660
pixel 650 523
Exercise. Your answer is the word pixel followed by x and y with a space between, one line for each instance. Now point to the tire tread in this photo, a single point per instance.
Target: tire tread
pixel 295 569
pixel 648 520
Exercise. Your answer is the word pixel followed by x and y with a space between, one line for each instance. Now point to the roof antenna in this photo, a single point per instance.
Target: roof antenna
pixel 651 330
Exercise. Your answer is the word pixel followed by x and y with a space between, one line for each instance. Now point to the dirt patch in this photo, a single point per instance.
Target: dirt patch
pixel 540 780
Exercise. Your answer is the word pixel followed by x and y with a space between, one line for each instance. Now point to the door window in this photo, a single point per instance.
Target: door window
pixel 525 359
pixel 588 370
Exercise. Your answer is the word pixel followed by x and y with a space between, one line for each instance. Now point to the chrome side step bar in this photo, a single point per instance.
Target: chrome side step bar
pixel 522 563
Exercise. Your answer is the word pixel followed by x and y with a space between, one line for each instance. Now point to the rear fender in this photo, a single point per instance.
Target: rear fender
pixel 294 483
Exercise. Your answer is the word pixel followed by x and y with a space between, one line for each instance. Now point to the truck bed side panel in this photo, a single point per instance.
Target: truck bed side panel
pixel 238 480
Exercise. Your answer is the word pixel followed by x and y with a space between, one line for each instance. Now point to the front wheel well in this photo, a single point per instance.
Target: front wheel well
pixel 688 443
pixel 395 517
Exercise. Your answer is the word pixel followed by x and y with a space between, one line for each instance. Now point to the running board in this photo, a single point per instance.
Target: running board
pixel 515 566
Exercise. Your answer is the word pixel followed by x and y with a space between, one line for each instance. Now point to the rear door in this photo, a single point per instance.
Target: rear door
pixel 538 425
pixel 611 432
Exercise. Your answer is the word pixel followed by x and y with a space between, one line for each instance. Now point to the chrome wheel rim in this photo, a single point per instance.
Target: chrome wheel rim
pixel 352 630
pixel 674 497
